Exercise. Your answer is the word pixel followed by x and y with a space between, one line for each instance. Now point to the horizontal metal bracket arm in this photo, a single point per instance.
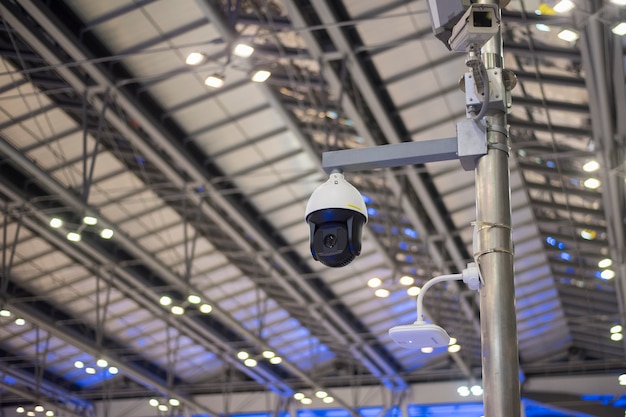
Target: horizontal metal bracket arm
pixel 469 145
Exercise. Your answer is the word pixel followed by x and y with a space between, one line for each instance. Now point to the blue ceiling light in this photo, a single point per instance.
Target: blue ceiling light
pixel 410 232
pixel 551 241
pixel 372 211
pixel 366 199
pixel 566 256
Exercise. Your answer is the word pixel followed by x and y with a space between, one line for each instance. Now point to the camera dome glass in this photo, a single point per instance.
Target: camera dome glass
pixel 330 241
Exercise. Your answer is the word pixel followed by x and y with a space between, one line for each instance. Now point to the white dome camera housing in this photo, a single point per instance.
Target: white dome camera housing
pixel 336 214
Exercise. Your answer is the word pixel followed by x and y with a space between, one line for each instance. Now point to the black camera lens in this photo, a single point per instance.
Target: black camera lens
pixel 330 241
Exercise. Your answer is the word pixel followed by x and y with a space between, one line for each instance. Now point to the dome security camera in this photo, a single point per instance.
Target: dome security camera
pixel 336 214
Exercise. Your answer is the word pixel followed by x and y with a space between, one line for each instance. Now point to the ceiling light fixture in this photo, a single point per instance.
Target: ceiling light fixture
pixel 588 234
pixel 55 223
pixel 276 360
pixel 174 402
pixel 622 379
pixel 261 76
pixel 165 300
pixel 617 337
pixel 206 308
pixel 194 299
pixel 214 81
pixel 20 321
pixel 268 354
pixel 243 355
pixel 619 29
pixel 454 348
pixel 407 280
pixel 73 237
pixel 306 401
pixel 374 282
pixel 243 50
pixel 564 6
pixel 298 396
pixel 591 166
pixel 177 310
pixel 592 183
pixel 106 234
pixel 542 27
pixel 568 35
pixel 250 362
pixel 90 220
pixel 607 274
pixel 617 328
pixel 605 263
pixel 328 400
pixel 195 58
pixel 413 291
pixel 381 293
pixel 102 363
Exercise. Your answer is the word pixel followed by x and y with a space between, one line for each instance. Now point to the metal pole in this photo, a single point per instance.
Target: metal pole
pixel 494 253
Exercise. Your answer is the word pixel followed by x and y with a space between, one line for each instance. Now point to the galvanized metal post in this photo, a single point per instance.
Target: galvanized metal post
pixel 494 252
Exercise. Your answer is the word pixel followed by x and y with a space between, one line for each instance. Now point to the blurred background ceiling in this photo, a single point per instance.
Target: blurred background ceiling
pixel 154 246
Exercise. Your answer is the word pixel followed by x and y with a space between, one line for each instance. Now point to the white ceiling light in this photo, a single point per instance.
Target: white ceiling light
pixel 165 300
pixel 79 365
pixel 206 308
pixel 605 263
pixel 381 293
pixel 90 371
pixel 162 407
pixel 476 390
pixel 592 183
pixel 90 220
pixel 463 391
pixel 619 29
pixel 321 394
pixel 177 310
pixel 427 350
pixel 243 50
pixel 194 299
pixel 617 337
pixel 306 401
pixel 407 280
pixel 214 81
pixel 195 58
pixel 5 313
pixel 73 237
pixel 20 321
pixel 564 6
pixel 276 360
pixel 243 355
pixel 617 328
pixel 591 166
pixel 374 282
pixel 298 396
pixel 174 402
pixel 622 379
pixel 106 233
pixel 113 370
pixel 542 27
pixel 250 362
pixel 154 402
pixel 413 291
pixel 55 222
pixel 454 348
pixel 568 35
pixel 102 363
pixel 328 400
pixel 607 274
pixel 261 76
pixel 268 354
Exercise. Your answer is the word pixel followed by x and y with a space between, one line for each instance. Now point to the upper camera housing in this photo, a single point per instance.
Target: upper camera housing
pixel 336 214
